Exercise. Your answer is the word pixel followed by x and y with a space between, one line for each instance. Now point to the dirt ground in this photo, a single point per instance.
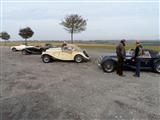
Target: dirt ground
pixel 33 90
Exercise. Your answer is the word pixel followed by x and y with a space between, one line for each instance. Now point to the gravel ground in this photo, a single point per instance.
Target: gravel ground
pixel 32 90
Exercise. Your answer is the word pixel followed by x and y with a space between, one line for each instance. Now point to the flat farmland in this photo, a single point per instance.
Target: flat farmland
pixel 88 45
pixel 33 90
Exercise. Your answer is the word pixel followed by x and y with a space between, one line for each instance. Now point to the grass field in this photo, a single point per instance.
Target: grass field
pixel 110 46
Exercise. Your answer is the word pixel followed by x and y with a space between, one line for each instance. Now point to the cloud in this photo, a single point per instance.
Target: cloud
pixel 105 21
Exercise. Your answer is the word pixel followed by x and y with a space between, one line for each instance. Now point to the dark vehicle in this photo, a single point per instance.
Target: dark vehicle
pixel 150 61
pixel 36 49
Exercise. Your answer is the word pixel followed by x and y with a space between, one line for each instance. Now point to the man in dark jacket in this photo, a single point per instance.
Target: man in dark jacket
pixel 137 59
pixel 121 54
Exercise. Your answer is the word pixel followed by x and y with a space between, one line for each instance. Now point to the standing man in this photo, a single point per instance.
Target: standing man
pixel 121 54
pixel 136 58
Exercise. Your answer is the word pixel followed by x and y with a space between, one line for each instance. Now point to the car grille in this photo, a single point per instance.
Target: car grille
pixel 99 61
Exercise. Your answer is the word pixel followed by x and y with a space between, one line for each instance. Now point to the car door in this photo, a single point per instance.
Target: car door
pixel 34 50
pixel 129 63
pixel 66 54
pixel 146 59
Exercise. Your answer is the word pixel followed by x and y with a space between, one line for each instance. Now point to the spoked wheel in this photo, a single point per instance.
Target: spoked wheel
pixel 24 52
pixel 78 59
pixel 46 58
pixel 108 66
pixel 157 67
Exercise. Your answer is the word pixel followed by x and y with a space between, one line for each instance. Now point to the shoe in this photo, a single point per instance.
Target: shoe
pixel 122 75
pixel 136 75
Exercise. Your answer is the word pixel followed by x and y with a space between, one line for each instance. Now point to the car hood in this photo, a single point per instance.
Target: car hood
pixel 54 49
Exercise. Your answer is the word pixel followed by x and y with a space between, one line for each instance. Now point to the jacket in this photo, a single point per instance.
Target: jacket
pixel 120 50
pixel 138 52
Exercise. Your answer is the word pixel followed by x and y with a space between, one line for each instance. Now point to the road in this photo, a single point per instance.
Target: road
pixel 33 90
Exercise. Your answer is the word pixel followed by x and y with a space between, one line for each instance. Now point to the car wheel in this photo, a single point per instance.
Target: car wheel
pixel 157 67
pixel 14 49
pixel 78 59
pixel 42 50
pixel 108 66
pixel 46 58
pixel 24 52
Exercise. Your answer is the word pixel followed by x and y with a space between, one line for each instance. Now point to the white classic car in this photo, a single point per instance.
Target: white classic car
pixel 19 48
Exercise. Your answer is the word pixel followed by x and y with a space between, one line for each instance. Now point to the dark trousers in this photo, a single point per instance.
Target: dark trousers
pixel 120 66
pixel 138 65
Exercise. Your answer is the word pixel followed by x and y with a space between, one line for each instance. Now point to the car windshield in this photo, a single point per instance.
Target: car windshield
pixel 67 48
pixel 154 53
pixel 147 52
pixel 73 47
pixel 131 52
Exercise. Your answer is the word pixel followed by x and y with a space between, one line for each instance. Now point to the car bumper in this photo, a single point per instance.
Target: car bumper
pixel 99 65
pixel 86 59
pixel 99 62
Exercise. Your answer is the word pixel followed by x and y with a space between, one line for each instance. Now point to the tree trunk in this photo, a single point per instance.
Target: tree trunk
pixel 4 42
pixel 25 41
pixel 72 37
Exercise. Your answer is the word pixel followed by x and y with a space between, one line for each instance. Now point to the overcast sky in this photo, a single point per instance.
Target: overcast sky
pixel 105 21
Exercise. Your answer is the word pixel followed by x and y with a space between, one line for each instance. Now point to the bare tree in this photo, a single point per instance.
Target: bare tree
pixel 74 24
pixel 5 36
pixel 26 33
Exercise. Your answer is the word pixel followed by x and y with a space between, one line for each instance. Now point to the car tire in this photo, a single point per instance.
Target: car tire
pixel 14 49
pixel 46 58
pixel 24 52
pixel 157 67
pixel 78 58
pixel 42 50
pixel 109 66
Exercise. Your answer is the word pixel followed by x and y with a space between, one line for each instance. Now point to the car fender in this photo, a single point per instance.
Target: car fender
pixel 82 54
pixel 44 53
pixel 21 47
pixel 12 47
pixel 156 60
pixel 48 55
pixel 108 58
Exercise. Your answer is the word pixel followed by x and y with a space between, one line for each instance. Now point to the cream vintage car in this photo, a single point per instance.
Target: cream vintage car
pixel 70 52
